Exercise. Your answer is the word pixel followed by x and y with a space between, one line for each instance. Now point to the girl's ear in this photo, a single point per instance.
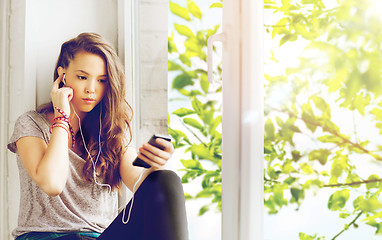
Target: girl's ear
pixel 60 70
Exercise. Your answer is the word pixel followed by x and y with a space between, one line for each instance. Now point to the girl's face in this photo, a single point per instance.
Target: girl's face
pixel 87 76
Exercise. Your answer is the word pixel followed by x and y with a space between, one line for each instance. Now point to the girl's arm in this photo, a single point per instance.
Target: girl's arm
pixel 48 165
pixel 156 157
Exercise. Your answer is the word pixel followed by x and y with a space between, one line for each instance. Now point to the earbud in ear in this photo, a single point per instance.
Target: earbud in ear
pixel 63 79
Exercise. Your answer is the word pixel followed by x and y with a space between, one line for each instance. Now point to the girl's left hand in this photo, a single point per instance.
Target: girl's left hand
pixel 154 156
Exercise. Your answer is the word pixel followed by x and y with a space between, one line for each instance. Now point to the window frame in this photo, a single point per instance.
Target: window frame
pixel 243 120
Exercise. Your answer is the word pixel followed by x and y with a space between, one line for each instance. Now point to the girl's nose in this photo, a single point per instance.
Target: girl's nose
pixel 90 87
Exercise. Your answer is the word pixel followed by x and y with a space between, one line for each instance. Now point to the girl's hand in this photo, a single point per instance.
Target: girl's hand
pixel 61 96
pixel 154 156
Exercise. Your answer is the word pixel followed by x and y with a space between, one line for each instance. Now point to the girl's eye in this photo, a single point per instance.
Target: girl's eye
pixel 81 77
pixel 103 80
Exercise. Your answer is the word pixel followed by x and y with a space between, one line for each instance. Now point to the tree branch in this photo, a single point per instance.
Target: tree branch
pixel 339 135
pixel 267 25
pixel 271 180
pixel 352 183
pixel 347 227
pixel 196 136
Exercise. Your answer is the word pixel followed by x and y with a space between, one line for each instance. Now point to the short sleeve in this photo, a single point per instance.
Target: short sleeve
pixel 25 126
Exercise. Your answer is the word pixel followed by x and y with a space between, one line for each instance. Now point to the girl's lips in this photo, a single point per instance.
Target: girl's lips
pixel 89 100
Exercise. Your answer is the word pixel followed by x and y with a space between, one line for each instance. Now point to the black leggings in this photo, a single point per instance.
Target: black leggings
pixel 158 211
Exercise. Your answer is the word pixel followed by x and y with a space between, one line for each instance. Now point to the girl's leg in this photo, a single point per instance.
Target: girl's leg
pixel 158 212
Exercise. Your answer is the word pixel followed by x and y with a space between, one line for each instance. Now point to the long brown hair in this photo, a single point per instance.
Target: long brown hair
pixel 116 113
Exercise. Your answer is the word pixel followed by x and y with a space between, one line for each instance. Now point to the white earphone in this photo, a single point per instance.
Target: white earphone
pixel 63 80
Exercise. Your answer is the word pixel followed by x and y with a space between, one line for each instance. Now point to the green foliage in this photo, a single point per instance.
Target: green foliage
pixel 303 236
pixel 200 116
pixel 309 144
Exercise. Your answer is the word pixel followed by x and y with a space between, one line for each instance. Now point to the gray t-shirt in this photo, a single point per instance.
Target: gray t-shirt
pixel 82 206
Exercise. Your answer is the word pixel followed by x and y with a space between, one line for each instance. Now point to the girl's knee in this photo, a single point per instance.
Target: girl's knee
pixel 164 177
pixel 164 185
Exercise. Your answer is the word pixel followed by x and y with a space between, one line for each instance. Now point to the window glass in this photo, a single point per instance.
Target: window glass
pixel 195 112
pixel 323 114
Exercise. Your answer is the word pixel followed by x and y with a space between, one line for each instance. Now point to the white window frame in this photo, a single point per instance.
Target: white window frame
pixel 4 44
pixel 243 120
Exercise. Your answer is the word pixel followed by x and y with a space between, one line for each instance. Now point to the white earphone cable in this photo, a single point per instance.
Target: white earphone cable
pixel 132 200
pixel 94 166
pixel 99 148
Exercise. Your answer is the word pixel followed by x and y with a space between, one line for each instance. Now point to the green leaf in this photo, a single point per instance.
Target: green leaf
pixel 280 26
pixel 179 11
pixel 216 5
pixel 205 193
pixel 321 155
pixel 202 152
pixel 297 195
pixel 278 192
pixel 330 139
pixel 322 105
pixel 181 81
pixel 290 180
pixel 338 167
pixel 203 210
pixel 204 83
pixel 296 155
pixel 187 196
pixel 352 178
pixel 181 112
pixel 288 37
pixel 372 184
pixel 367 205
pixel 184 30
pixel 192 164
pixel 338 200
pixel 185 59
pixel 178 137
pixel 303 236
pixel 308 117
pixel 194 9
pixel 306 168
pixel 269 130
pixel 377 113
pixel 211 32
pixel 191 175
pixel 171 45
pixel 193 48
pixel 216 122
pixel 197 106
pixel 172 66
pixel 192 122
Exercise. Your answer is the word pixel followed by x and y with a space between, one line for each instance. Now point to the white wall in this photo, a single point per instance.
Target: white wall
pixel 50 23
pixel 152 69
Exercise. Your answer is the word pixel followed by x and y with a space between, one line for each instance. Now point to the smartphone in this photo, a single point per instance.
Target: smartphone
pixel 139 162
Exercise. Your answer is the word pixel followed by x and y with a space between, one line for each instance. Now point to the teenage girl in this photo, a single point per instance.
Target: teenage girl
pixel 73 155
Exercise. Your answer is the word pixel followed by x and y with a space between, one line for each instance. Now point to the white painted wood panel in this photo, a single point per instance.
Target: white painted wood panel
pixel 242 209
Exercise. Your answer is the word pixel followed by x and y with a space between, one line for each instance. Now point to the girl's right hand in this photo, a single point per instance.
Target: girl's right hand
pixel 61 96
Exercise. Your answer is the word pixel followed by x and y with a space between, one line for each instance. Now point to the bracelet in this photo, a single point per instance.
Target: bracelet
pixel 64 118
pixel 62 112
pixel 61 126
